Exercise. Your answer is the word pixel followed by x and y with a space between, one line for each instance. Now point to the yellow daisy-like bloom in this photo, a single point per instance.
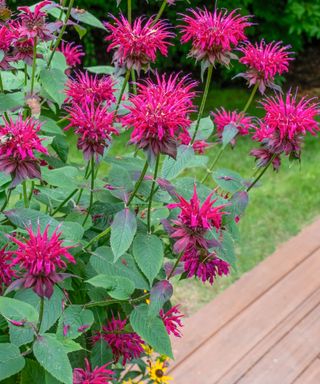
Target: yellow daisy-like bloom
pixel 157 372
pixel 147 349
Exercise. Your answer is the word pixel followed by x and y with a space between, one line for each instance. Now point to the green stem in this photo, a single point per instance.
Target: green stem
pixel 160 12
pixel 56 45
pixel 261 173
pixel 138 183
pixel 7 200
pixel 91 191
pixel 151 193
pixel 175 266
pixel 31 191
pixel 25 194
pixel 64 202
pixel 1 84
pixel 25 74
pixel 104 303
pixel 125 82
pixel 134 81
pixel 213 164
pixel 254 90
pixel 98 237
pixel 41 311
pixel 203 102
pixel 34 62
pixel 129 11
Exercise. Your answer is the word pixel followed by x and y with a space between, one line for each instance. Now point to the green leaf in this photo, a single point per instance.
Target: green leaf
pixel 11 361
pixel 118 287
pixel 50 126
pixel 101 69
pixel 87 18
pixel 151 329
pixel 65 177
pixel 51 354
pixel 226 252
pixel 123 229
pixel 81 30
pixel 228 180
pixel 77 320
pixel 11 101
pixel 205 129
pixel 53 81
pixel 12 80
pixel 230 131
pixel 17 310
pixel 101 353
pixel 148 253
pixel 32 373
pixel 160 293
pixel 102 262
pixel 172 168
pixel 61 147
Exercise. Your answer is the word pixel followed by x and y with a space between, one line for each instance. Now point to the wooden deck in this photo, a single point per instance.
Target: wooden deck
pixel 264 329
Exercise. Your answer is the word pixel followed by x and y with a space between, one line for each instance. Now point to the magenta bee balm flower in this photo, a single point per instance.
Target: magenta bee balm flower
pixel 160 112
pixel 73 53
pixel 86 88
pixel 213 34
pixel 285 124
pixel 264 62
pixel 172 320
pixel 18 142
pixel 94 126
pixel 99 375
pixel 40 257
pixel 136 45
pixel 125 345
pixel 7 273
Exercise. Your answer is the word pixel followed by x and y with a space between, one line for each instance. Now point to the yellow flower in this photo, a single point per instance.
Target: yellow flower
pixel 157 372
pixel 147 349
pixel 147 300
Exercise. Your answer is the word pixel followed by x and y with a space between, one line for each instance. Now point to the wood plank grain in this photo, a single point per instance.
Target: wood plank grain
pixel 311 375
pixel 288 359
pixel 215 357
pixel 245 291
pixel 270 340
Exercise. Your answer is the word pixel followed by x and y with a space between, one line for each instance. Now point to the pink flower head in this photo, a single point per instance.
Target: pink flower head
pixel 285 123
pixel 195 220
pixel 136 45
pixel 85 88
pixel 204 265
pixel 94 126
pixel 6 39
pixel 213 34
pixel 23 50
pixel 264 62
pixel 127 345
pixel 100 375
pixel 241 121
pixel 18 141
pixel 199 146
pixel 263 156
pixel 73 53
pixel 160 112
pixel 40 256
pixel 32 24
pixel 172 320
pixel 7 273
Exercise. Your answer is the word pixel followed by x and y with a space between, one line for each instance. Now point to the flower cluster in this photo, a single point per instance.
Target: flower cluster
pixel 264 62
pixel 73 53
pixel 213 35
pixel 136 45
pixel 7 273
pixel 159 113
pixel 283 127
pixel 19 141
pixel 191 230
pixel 125 345
pixel 40 257
pixel 172 320
pixel 99 375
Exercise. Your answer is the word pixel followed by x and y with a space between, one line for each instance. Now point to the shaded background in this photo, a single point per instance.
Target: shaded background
pixel 295 22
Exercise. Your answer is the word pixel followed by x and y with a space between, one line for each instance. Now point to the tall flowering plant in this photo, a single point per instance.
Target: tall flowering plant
pixel 92 240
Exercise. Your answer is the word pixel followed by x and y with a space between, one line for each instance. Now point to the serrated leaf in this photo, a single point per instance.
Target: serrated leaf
pixel 87 18
pixel 160 293
pixel 11 101
pixel 50 126
pixel 17 310
pixel 230 131
pixel 172 168
pixel 123 229
pixel 51 354
pixel 101 69
pixel 53 81
pixel 205 129
pixel 32 373
pixel 76 320
pixel 229 181
pixel 65 177
pixel 151 329
pixel 118 287
pixel 148 253
pixel 11 361
pixel 101 353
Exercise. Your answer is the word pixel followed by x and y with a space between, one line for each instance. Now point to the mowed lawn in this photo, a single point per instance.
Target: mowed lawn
pixel 282 204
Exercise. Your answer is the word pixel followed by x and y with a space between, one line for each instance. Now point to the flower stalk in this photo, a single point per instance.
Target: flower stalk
pixel 258 177
pixel 92 190
pixel 34 66
pixel 123 88
pixel 138 183
pixel 151 193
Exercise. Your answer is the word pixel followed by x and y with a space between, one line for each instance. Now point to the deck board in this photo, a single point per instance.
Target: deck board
pixel 311 375
pixel 228 337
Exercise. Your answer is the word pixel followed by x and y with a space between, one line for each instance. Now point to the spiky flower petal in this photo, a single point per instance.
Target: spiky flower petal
pixel 99 375
pixel 172 320
pixel 73 53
